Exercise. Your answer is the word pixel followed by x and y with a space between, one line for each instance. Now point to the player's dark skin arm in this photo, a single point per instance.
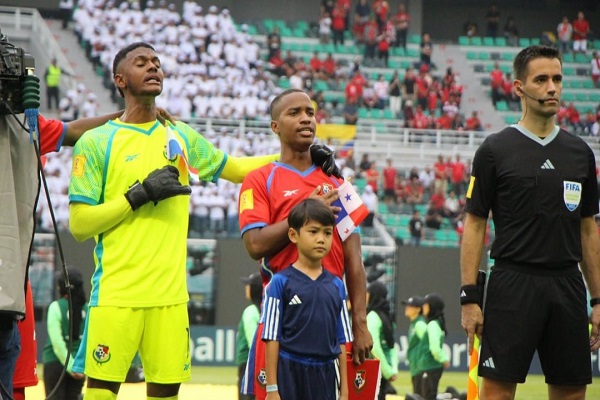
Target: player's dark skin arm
pixel 356 281
pixel 78 127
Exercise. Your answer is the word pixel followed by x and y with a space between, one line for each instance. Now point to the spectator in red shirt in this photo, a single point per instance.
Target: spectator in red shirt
pixel 381 8
pixel 420 119
pixel 438 200
pixel 354 88
pixel 574 118
pixel 444 121
pixel 277 64
pixel 473 123
pixel 371 34
pixel 432 99
pixel 562 115
pixel 508 90
pixel 441 178
pixel 389 182
pixel 401 20
pixel 372 177
pixel 329 67
pixel 581 28
pixel 496 79
pixel 338 24
pixel 400 189
pixel 315 64
pixel 457 175
pixel 414 191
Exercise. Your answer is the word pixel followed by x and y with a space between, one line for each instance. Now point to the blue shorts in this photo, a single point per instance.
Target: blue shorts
pixel 301 378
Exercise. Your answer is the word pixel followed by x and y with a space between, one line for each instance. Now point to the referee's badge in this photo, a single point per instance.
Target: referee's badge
pixel 571 194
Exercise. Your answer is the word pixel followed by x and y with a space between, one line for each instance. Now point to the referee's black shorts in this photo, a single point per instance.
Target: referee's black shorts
pixel 529 309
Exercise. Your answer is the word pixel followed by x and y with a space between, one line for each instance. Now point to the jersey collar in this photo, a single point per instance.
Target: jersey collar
pixel 547 140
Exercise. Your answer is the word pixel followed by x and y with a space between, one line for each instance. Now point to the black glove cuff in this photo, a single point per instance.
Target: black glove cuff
pixel 137 195
pixel 594 301
pixel 469 294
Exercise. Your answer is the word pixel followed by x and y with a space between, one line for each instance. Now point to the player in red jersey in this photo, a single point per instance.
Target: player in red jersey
pixel 268 194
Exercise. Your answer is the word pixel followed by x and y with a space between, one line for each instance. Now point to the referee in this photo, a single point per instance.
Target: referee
pixel 539 182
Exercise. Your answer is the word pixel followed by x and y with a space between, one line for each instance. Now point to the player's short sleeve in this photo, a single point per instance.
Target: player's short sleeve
pixel 272 312
pixel 344 329
pixel 482 185
pixel 202 154
pixel 52 133
pixel 254 210
pixel 87 170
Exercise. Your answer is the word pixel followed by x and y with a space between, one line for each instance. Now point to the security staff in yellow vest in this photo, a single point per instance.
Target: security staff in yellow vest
pixel 53 73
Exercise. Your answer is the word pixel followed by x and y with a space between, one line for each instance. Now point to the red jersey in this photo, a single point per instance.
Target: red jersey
pixel 580 29
pixel 52 134
pixel 458 172
pixel 389 178
pixel 267 196
pixel 496 78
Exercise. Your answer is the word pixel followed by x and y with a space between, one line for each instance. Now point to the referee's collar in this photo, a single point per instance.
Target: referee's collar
pixel 548 139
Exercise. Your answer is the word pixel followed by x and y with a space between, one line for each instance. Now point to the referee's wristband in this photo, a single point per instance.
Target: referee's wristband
pixel 469 294
pixel 594 301
pixel 272 388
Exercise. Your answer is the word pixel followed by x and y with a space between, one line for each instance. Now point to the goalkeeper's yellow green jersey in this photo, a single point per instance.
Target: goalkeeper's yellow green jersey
pixel 141 262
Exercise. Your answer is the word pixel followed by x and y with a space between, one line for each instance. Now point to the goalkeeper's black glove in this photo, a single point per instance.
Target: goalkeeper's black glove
pixel 159 185
pixel 323 156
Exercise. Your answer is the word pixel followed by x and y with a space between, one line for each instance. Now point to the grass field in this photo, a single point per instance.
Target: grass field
pixel 219 383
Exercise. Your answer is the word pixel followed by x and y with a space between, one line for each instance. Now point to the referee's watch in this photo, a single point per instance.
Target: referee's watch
pixel 594 301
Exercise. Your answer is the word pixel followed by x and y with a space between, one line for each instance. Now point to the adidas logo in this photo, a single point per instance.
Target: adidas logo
pixel 489 363
pixel 547 165
pixel 295 300
pixel 463 294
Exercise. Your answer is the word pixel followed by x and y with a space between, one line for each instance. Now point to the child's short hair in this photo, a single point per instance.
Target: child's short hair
pixel 310 210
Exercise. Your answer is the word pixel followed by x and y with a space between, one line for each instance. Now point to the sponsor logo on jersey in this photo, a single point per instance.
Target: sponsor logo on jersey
pixel 571 194
pixel 295 300
pixel 262 377
pixel 547 165
pixel 131 157
pixel 101 354
pixel 247 200
pixel 78 165
pixel 290 193
pixel 360 379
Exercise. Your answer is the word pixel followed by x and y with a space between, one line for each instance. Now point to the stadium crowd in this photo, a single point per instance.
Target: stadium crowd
pixel 215 68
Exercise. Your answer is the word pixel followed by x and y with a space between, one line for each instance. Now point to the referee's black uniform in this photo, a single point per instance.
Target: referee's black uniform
pixel 538 189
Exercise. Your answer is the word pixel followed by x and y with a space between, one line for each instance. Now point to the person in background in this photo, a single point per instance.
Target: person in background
pixel 417 330
pixel 564 32
pixel 247 327
pixel 380 322
pixel 434 359
pixel 581 29
pixel 52 75
pixel 64 336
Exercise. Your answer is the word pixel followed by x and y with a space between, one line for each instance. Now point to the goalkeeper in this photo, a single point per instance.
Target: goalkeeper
pixel 134 201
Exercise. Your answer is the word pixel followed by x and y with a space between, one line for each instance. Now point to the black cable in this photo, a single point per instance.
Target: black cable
pixel 61 257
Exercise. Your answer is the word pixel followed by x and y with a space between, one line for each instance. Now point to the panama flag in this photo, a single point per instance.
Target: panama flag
pixel 353 210
pixel 174 149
